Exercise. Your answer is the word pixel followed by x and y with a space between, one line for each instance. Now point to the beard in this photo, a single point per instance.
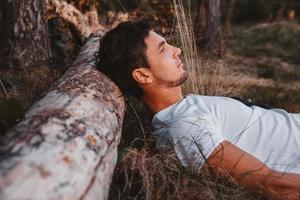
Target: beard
pixel 175 83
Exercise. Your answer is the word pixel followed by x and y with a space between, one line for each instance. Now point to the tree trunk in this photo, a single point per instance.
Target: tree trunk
pixel 66 146
pixel 229 17
pixel 212 35
pixel 280 11
pixel 24 32
pixel 200 23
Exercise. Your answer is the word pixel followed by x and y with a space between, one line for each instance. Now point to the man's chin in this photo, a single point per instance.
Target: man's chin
pixel 184 77
pixel 176 83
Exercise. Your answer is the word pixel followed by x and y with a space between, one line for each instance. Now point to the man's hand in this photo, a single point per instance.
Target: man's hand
pixel 253 174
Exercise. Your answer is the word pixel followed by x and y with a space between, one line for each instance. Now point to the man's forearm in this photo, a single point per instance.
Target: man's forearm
pixel 282 185
pixel 253 174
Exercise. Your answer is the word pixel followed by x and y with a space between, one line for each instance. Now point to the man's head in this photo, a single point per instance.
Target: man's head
pixel 135 57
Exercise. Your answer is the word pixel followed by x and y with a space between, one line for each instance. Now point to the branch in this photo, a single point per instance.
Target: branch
pixel 85 24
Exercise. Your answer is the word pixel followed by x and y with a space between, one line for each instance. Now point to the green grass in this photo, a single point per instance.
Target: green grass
pixel 279 39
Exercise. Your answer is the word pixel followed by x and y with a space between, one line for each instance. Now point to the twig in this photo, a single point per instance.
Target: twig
pixel 3 87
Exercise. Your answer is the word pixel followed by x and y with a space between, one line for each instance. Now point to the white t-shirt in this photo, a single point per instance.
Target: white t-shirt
pixel 196 125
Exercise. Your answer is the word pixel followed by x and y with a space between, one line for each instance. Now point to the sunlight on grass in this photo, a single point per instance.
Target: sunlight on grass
pixel 188 45
pixel 206 76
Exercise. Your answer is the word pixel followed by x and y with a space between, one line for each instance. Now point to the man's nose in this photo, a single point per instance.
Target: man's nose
pixel 177 52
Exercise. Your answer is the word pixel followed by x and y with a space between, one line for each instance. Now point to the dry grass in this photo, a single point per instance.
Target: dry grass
pixel 143 172
pixel 146 174
pixel 206 76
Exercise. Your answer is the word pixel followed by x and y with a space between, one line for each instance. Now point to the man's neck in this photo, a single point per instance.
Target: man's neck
pixel 158 99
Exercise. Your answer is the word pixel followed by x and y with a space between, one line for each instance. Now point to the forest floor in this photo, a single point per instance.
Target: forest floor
pixel 269 54
pixel 262 64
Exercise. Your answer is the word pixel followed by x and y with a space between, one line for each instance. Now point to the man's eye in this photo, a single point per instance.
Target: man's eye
pixel 162 49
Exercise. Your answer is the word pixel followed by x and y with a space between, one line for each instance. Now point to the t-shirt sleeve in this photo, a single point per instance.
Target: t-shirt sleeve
pixel 193 141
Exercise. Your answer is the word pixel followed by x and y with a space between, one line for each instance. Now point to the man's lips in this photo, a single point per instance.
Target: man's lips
pixel 180 64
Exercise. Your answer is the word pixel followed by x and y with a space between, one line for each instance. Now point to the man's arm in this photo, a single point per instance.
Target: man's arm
pixel 252 173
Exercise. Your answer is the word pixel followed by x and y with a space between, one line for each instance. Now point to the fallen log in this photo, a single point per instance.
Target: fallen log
pixel 66 146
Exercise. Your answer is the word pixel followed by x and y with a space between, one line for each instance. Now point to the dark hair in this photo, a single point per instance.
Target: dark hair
pixel 122 50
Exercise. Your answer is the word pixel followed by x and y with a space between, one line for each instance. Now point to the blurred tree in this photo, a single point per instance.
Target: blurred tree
pixel 24 34
pixel 212 40
pixel 286 9
pixel 263 10
pixel 280 10
pixel 229 17
pixel 200 22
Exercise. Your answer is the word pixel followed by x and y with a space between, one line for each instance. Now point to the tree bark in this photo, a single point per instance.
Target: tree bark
pixel 229 17
pixel 200 23
pixel 24 33
pixel 66 146
pixel 212 35
pixel 86 24
pixel 280 11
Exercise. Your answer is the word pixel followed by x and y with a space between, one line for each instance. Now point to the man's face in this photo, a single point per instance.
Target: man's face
pixel 164 61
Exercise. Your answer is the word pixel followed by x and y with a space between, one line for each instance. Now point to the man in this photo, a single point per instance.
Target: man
pixel 257 147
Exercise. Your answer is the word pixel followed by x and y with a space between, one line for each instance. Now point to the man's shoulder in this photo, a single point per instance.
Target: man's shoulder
pixel 185 125
pixel 183 110
pixel 192 109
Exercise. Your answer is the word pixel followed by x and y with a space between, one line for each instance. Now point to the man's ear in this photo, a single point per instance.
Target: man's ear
pixel 142 75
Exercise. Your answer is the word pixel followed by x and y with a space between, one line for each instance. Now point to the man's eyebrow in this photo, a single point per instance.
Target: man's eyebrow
pixel 161 44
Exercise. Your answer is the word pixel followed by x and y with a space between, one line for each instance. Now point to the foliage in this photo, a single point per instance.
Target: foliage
pixel 260 10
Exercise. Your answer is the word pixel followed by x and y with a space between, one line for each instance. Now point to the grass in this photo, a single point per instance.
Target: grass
pixel 143 172
pixel 269 53
pixel 278 39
